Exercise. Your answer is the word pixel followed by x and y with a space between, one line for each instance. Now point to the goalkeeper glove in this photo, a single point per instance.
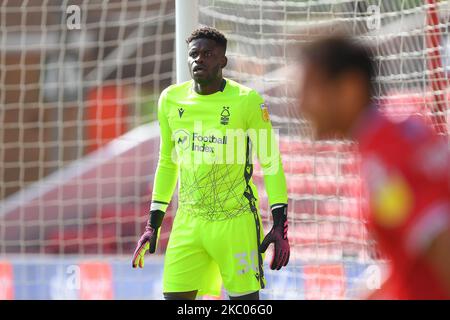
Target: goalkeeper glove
pixel 149 238
pixel 278 236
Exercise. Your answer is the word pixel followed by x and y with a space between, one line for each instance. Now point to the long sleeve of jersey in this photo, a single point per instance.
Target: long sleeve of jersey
pixel 166 174
pixel 265 145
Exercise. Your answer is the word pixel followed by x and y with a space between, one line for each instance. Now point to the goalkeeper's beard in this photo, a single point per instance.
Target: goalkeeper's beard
pixel 211 77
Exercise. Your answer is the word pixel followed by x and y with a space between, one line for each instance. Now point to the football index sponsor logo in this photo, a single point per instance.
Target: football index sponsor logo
pixel 230 146
pixel 182 139
pixel 197 141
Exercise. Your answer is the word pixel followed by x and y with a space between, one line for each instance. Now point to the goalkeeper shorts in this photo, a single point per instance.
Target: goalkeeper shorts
pixel 201 255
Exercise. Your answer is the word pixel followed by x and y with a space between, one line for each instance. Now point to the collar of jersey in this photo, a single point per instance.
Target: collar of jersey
pixel 191 88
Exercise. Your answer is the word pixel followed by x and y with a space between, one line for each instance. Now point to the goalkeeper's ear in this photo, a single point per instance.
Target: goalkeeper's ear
pixel 224 61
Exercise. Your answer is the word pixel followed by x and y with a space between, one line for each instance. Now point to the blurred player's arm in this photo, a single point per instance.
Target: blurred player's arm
pixel 266 147
pixel 429 235
pixel 164 184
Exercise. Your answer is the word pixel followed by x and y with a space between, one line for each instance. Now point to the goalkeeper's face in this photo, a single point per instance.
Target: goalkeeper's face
pixel 206 59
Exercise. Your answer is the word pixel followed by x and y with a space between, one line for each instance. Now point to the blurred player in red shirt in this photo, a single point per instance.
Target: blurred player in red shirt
pixel 406 166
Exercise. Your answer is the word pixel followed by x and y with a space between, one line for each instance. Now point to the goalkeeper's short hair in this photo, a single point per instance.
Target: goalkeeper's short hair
pixel 209 33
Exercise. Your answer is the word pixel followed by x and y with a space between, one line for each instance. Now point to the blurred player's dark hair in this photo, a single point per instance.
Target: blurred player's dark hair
pixel 209 33
pixel 338 55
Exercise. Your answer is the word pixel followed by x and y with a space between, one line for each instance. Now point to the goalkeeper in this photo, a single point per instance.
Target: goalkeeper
pixel 209 126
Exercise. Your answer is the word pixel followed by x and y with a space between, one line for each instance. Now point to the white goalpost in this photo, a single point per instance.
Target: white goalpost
pixel 186 20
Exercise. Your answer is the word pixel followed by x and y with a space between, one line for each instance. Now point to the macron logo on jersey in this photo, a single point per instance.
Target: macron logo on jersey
pixel 180 112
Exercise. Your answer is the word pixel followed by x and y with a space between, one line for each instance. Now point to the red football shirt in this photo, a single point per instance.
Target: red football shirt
pixel 406 166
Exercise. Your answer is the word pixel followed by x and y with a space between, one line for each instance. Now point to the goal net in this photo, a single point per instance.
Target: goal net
pixel 79 142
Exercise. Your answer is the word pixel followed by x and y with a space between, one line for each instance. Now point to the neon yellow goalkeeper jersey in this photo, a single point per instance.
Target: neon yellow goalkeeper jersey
pixel 208 141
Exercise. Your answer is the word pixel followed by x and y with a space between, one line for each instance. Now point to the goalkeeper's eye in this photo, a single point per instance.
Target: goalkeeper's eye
pixel 193 54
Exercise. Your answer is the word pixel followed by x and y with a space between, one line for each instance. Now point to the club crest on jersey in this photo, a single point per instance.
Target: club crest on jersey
pixel 180 112
pixel 265 112
pixel 225 116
